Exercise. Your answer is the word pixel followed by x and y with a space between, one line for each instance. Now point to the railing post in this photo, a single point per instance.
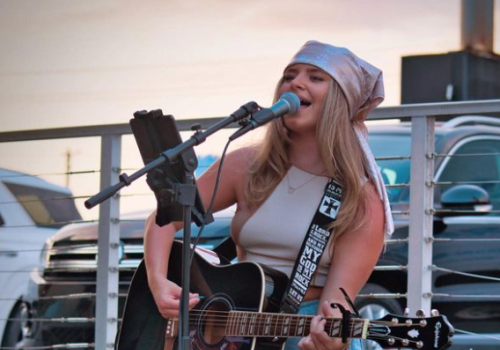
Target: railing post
pixel 108 243
pixel 421 215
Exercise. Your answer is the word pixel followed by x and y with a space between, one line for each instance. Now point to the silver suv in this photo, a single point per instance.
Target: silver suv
pixel 31 210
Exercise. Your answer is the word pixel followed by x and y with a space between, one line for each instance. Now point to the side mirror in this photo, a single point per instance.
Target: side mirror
pixel 466 197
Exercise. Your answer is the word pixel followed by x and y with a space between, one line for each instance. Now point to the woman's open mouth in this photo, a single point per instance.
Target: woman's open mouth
pixel 304 103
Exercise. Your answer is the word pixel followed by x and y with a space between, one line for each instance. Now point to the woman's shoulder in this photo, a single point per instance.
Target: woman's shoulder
pixel 375 203
pixel 241 158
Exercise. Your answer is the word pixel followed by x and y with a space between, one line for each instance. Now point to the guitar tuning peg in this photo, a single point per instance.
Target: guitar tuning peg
pixel 434 312
pixel 406 312
pixel 420 313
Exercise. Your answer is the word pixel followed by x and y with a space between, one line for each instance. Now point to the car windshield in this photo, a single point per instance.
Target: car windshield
pixel 46 208
pixel 395 172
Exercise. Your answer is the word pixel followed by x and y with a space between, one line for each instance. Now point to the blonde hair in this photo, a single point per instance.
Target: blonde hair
pixel 339 150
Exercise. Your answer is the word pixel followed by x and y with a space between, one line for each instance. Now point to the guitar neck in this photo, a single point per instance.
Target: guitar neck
pixel 287 325
pixel 252 324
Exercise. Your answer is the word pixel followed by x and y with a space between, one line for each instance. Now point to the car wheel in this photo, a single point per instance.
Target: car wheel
pixel 18 328
pixel 374 309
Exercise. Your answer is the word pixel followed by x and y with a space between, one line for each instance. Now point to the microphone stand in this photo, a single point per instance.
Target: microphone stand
pixel 185 196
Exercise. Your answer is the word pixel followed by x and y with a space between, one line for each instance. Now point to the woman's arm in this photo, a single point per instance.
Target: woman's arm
pixel 354 258
pixel 158 240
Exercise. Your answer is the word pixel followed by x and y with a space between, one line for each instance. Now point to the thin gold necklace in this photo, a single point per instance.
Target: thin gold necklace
pixel 292 189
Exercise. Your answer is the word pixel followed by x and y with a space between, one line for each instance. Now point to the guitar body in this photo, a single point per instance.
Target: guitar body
pixel 239 310
pixel 223 288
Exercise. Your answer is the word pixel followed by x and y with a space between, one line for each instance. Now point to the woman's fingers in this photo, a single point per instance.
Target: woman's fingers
pixel 306 343
pixel 167 296
pixel 169 308
pixel 318 339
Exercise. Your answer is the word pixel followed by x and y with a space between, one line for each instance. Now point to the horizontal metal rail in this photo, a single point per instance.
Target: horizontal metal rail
pixel 55 319
pixel 466 155
pixel 469 240
pixel 483 277
pixel 383 159
pixel 55 346
pixel 382 295
pixel 383 113
pixel 465 296
pixel 391 268
pixel 52 174
pixel 56 225
pixel 485 182
pixel 485 336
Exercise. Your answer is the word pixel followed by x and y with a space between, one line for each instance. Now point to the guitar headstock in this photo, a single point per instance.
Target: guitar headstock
pixel 424 333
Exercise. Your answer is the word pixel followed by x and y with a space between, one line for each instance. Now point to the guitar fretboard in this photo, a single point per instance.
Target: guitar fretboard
pixel 252 324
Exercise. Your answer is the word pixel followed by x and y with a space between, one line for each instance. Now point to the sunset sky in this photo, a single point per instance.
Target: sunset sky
pixel 72 63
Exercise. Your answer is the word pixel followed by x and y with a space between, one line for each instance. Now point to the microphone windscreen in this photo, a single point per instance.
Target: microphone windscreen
pixel 292 100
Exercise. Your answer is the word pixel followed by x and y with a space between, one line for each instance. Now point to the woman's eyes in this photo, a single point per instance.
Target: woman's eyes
pixel 314 78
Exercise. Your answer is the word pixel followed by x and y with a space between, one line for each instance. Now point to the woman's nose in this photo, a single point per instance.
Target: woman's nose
pixel 297 82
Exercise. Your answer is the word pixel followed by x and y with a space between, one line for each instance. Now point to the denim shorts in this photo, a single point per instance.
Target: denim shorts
pixel 311 308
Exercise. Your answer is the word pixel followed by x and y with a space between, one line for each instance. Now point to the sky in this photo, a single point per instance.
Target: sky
pixel 72 63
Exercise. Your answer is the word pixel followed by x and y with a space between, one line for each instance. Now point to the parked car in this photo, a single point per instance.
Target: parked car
pixel 63 273
pixel 31 210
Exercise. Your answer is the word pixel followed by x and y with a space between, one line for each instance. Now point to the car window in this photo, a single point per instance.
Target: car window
pixel 394 171
pixel 45 207
pixel 476 162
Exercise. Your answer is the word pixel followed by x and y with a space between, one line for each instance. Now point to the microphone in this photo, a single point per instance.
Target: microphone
pixel 288 103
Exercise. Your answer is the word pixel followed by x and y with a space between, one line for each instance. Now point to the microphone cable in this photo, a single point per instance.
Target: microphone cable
pixel 209 209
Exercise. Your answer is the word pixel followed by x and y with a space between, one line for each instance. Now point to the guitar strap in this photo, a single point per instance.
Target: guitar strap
pixel 312 249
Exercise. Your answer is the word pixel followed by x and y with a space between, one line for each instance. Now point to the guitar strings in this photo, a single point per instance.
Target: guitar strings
pixel 223 316
pixel 223 319
pixel 234 313
pixel 373 335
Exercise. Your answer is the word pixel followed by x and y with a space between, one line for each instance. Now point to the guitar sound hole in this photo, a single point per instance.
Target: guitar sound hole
pixel 213 320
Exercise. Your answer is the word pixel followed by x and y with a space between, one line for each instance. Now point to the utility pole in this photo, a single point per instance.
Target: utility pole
pixel 68 165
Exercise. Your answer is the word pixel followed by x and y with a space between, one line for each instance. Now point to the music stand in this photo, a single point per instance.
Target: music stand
pixel 154 133
pixel 175 190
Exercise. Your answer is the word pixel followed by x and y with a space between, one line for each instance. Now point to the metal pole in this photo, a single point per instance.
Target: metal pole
pixel 421 216
pixel 108 243
pixel 477 25
pixel 184 338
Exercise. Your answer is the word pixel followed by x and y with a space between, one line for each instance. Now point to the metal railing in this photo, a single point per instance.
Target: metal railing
pixel 420 265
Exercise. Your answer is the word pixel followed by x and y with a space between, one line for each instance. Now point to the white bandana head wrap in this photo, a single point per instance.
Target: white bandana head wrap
pixel 363 87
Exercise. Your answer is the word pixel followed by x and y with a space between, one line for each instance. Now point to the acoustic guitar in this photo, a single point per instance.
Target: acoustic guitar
pixel 239 310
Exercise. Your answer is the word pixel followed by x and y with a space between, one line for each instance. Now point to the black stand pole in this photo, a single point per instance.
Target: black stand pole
pixel 184 309
pixel 185 196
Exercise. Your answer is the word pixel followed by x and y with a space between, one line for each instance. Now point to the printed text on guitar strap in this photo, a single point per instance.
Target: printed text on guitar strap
pixel 312 249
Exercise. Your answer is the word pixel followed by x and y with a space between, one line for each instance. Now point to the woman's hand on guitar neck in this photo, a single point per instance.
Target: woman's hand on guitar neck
pixel 317 338
pixel 167 297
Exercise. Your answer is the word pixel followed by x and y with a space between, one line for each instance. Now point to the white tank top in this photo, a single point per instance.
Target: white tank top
pixel 274 234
